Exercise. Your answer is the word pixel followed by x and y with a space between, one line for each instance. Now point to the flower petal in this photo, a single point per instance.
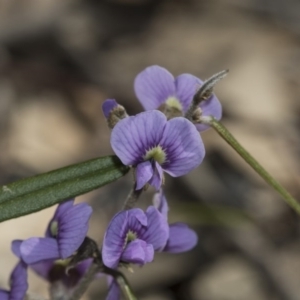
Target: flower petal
pixel 114 291
pixel 72 228
pixel 160 202
pixel 4 295
pixel 114 239
pixel 138 252
pixel 157 231
pixel 18 282
pixel 186 87
pixel 83 266
pixel 157 177
pixel 183 146
pixel 43 268
pixel 132 137
pixel 210 107
pixel 37 249
pixel 108 105
pixel 181 238
pixel 15 247
pixel 154 86
pixel 61 209
pixel 144 172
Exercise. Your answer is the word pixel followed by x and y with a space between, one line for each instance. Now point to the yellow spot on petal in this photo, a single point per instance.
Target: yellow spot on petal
pixel 173 102
pixel 156 153
pixel 54 228
pixel 130 236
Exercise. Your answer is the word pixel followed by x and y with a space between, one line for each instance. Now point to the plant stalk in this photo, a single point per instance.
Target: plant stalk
pixel 229 138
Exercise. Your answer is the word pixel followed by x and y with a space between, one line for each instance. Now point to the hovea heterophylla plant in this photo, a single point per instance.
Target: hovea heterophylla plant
pixel 163 139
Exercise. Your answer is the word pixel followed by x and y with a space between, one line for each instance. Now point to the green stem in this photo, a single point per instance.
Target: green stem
pixel 227 136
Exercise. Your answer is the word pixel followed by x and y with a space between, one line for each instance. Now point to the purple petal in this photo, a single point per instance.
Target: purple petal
pixel 136 217
pixel 154 86
pixel 108 105
pixel 15 247
pixel 210 107
pixel 72 228
pixel 34 250
pixel 4 295
pixel 132 137
pixel 160 203
pixel 114 291
pixel 157 177
pixel 61 209
pixel 183 146
pixel 43 268
pixel 186 87
pixel 18 282
pixel 114 239
pixel 138 252
pixel 83 266
pixel 181 238
pixel 157 231
pixel 144 172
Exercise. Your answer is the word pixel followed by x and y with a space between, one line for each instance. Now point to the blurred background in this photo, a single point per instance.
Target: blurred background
pixel 59 60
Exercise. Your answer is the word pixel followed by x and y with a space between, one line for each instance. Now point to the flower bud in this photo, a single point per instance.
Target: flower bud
pixel 113 112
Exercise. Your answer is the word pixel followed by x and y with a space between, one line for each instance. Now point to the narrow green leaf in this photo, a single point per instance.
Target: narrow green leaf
pixel 41 191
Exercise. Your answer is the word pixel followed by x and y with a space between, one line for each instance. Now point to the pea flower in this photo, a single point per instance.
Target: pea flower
pixel 18 283
pixel 132 236
pixel 156 86
pixel 152 144
pixel 181 237
pixel 65 233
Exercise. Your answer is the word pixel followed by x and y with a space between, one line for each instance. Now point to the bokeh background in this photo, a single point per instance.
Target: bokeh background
pixel 59 60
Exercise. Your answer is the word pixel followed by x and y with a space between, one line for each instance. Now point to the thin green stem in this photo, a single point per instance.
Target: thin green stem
pixel 133 196
pixel 227 136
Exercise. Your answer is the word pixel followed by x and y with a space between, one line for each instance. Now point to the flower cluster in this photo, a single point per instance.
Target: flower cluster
pixel 152 142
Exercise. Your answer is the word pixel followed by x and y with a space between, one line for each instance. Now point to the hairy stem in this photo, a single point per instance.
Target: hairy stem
pixel 227 136
pixel 132 198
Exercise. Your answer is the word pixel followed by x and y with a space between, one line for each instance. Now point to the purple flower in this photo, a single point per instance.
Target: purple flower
pixel 181 237
pixel 65 233
pixel 156 86
pixel 18 283
pixel 152 144
pixel 132 236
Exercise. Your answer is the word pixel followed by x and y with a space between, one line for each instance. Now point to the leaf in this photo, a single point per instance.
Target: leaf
pixel 38 192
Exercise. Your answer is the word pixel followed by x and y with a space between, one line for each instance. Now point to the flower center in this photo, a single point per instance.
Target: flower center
pixel 156 153
pixel 173 102
pixel 130 236
pixel 54 228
